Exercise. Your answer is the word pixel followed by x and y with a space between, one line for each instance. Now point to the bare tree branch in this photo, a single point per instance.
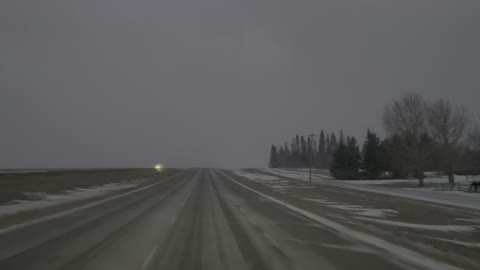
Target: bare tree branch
pixel 406 118
pixel 448 125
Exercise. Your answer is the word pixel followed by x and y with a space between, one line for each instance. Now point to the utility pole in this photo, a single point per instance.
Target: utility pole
pixel 312 137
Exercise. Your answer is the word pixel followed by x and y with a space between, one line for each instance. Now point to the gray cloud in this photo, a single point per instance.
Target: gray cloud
pixel 214 83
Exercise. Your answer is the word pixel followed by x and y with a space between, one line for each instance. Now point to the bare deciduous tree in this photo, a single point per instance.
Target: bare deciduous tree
pixel 448 125
pixel 474 137
pixel 406 118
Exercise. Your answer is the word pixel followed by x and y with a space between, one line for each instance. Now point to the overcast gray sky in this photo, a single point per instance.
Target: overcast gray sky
pixel 214 82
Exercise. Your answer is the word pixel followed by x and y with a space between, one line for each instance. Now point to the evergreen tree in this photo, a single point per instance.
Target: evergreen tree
pixel 371 153
pixel 339 161
pixel 297 154
pixel 394 157
pixel 346 160
pixel 281 158
pixel 297 144
pixel 304 153
pixel 285 148
pixel 333 143
pixel 353 159
pixel 331 148
pixel 322 148
pixel 327 143
pixel 293 154
pixel 313 148
pixel 286 153
pixel 322 145
pixel 273 157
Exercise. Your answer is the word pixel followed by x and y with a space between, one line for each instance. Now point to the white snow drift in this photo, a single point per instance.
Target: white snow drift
pixel 454 198
pixel 40 200
pixel 357 209
pixel 442 228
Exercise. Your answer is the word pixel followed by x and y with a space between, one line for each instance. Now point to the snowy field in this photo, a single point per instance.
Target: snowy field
pixel 411 222
pixel 276 183
pixel 381 216
pixel 356 209
pixel 391 187
pixel 22 171
pixel 40 200
pixel 256 176
pixel 318 175
pixel 430 180
pixel 442 228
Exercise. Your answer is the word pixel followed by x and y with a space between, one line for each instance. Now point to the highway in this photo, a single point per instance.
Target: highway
pixel 198 219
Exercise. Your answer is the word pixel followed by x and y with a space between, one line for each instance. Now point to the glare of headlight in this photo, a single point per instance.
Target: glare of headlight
pixel 159 167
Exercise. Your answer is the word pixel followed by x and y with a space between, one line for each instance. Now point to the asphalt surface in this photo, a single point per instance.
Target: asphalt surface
pixel 199 219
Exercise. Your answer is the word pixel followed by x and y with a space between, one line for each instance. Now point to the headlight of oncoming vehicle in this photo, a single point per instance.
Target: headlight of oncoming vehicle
pixel 159 167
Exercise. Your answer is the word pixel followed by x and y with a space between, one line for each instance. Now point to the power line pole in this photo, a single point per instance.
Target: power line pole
pixel 312 137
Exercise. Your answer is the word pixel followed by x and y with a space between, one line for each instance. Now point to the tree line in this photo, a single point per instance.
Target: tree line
pixel 302 151
pixel 421 136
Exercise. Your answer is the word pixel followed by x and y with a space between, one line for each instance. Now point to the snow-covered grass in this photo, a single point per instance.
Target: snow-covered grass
pixel 272 181
pixel 357 209
pixel 442 228
pixel 472 220
pixel 454 198
pixel 300 174
pixel 318 200
pixel 40 200
pixel 403 254
pixel 368 212
pixel 429 180
pixel 317 172
pixel 317 175
pixel 461 243
pixel 354 248
pixel 22 171
pixel 257 177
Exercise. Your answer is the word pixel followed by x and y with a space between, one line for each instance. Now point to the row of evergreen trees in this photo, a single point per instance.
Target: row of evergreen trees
pixel 347 160
pixel 423 135
pixel 342 156
pixel 303 151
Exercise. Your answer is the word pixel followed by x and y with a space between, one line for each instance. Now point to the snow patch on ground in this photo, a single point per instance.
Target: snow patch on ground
pixel 272 181
pixel 466 244
pixel 318 200
pixel 433 180
pixel 473 220
pixel 40 200
pixel 454 198
pixel 255 176
pixel 357 209
pixel 315 172
pixel 442 228
pixel 360 249
pixel 22 171
pixel 395 250
pixel 368 212
pixel 301 175
pixel 319 175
